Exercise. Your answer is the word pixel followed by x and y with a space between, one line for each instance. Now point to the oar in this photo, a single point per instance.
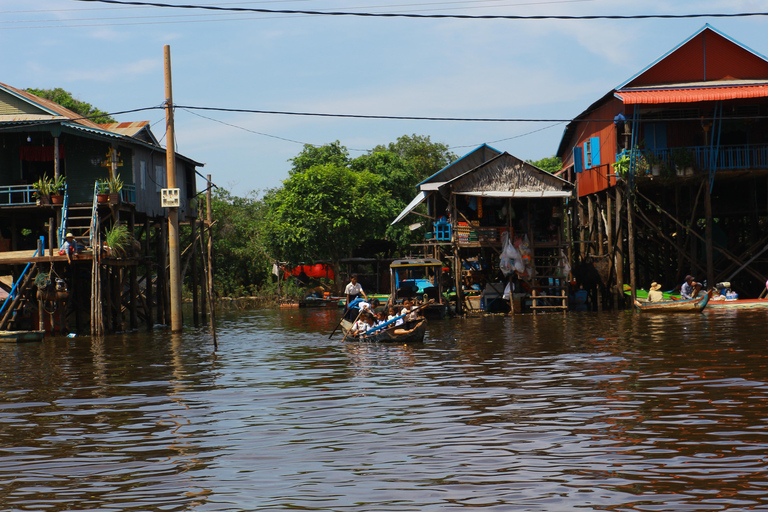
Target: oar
pixel 353 324
pixel 385 324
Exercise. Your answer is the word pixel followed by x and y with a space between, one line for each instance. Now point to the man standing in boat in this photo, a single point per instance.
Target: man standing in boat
pixel 354 290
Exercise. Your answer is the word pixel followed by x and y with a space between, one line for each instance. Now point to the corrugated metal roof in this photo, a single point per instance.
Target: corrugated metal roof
pixel 56 110
pixel 691 94
pixel 130 128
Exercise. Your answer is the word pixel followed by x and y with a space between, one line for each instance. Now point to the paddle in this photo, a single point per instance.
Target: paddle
pixel 353 323
pixel 379 327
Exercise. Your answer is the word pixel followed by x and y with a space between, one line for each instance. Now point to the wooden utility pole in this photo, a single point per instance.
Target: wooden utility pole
pixel 173 212
pixel 209 223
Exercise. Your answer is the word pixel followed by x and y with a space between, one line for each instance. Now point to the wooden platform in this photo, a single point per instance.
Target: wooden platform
pixel 24 257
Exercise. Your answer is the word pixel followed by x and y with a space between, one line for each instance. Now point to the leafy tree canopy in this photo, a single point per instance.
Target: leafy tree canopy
pixel 66 100
pixel 324 213
pixel 425 156
pixel 332 153
pixel 551 164
pixel 240 261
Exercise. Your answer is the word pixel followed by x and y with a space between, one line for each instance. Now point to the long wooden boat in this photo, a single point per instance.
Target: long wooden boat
pixel 738 304
pixel 694 305
pixel 387 335
pixel 21 336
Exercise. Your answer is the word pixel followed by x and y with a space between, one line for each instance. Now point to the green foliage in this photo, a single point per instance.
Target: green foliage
pixel 115 184
pixel 324 213
pixel 57 184
pixel 102 187
pixel 240 262
pixel 551 164
pixel 333 153
pixel 66 100
pixel 425 156
pixel 118 237
pixel 43 186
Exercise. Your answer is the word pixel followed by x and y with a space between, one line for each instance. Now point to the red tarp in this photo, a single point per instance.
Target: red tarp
pixel 316 271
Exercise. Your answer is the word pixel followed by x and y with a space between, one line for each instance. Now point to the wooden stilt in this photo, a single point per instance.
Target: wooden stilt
pixel 148 286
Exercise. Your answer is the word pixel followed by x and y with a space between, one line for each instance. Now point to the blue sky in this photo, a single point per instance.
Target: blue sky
pixel 112 57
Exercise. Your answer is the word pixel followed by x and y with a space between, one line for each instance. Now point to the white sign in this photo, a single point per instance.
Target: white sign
pixel 169 197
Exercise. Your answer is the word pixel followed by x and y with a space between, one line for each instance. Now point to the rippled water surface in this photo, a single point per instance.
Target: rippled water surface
pixel 613 411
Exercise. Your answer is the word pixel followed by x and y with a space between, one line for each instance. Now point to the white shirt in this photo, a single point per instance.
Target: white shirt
pixel 353 289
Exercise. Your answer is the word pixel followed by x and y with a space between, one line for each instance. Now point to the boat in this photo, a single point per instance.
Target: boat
pixel 738 304
pixel 21 336
pixel 696 305
pixel 387 335
pixel 421 279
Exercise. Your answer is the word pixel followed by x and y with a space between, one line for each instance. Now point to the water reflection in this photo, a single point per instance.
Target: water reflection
pixel 553 412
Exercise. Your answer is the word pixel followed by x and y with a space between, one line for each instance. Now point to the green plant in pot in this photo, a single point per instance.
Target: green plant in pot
pixel 117 239
pixel 102 191
pixel 57 189
pixel 683 160
pixel 621 167
pixel 43 189
pixel 115 186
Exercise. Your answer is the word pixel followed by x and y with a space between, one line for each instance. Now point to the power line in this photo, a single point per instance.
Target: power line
pixel 430 16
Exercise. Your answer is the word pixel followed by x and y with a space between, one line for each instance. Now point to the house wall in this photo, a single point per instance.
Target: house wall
pixel 596 127
pixel 149 176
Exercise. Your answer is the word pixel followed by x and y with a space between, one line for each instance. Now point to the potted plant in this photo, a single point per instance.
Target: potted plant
pixel 621 167
pixel 102 191
pixel 43 188
pixel 115 186
pixel 654 162
pixel 117 239
pixel 683 160
pixel 57 189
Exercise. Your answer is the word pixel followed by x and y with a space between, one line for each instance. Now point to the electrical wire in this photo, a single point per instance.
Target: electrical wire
pixel 429 16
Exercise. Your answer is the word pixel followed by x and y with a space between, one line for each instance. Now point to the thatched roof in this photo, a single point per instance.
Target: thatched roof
pixel 508 176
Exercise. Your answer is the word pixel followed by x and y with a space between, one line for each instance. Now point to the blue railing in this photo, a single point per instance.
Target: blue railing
pixel 14 289
pixel 64 216
pixel 17 194
pixel 742 156
pixel 128 194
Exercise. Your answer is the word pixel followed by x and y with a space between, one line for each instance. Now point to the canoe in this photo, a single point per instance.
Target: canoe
pixel 387 335
pixel 694 305
pixel 21 336
pixel 738 304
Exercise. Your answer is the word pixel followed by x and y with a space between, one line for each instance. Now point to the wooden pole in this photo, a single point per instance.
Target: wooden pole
pixel 211 304
pixel 631 243
pixel 609 236
pixel 148 273
pixel 195 312
pixel 173 212
pixel 619 263
pixel 708 233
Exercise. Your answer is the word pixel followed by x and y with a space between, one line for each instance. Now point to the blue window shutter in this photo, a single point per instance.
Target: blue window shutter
pixel 578 159
pixel 595 148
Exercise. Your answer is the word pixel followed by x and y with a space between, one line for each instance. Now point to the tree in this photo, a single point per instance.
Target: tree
pixel 425 156
pixel 240 262
pixel 66 100
pixel 332 153
pixel 324 213
pixel 551 164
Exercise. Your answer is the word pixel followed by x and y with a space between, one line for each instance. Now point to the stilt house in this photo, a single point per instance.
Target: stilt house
pixel 482 199
pixel 675 161
pixel 62 173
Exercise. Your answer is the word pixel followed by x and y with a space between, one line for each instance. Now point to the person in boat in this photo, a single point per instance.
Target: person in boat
pixel 654 293
pixel 69 247
pixel 362 324
pixel 354 290
pixel 690 288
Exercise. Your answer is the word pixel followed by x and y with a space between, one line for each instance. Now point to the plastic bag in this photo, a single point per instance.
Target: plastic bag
pixel 565 266
pixel 507 263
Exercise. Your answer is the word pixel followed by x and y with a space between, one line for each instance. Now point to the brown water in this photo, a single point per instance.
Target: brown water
pixel 549 413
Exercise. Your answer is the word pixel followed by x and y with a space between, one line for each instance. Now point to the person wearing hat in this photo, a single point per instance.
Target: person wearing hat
pixel 655 294
pixel 690 288
pixel 69 247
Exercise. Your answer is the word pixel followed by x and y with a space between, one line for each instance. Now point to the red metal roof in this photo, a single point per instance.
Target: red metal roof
pixel 691 94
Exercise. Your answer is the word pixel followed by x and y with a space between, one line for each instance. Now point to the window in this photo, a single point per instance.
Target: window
pixel 578 159
pixel 592 152
pixel 159 178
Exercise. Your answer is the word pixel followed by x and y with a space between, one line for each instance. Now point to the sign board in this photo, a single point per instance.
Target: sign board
pixel 169 197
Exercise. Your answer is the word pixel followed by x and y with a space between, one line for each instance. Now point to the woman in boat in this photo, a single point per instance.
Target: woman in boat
pixel 655 294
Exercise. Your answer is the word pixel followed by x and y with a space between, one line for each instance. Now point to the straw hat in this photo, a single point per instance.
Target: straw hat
pixel 69 235
pixel 655 286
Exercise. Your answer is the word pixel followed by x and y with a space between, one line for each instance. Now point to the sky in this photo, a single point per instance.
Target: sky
pixel 537 71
